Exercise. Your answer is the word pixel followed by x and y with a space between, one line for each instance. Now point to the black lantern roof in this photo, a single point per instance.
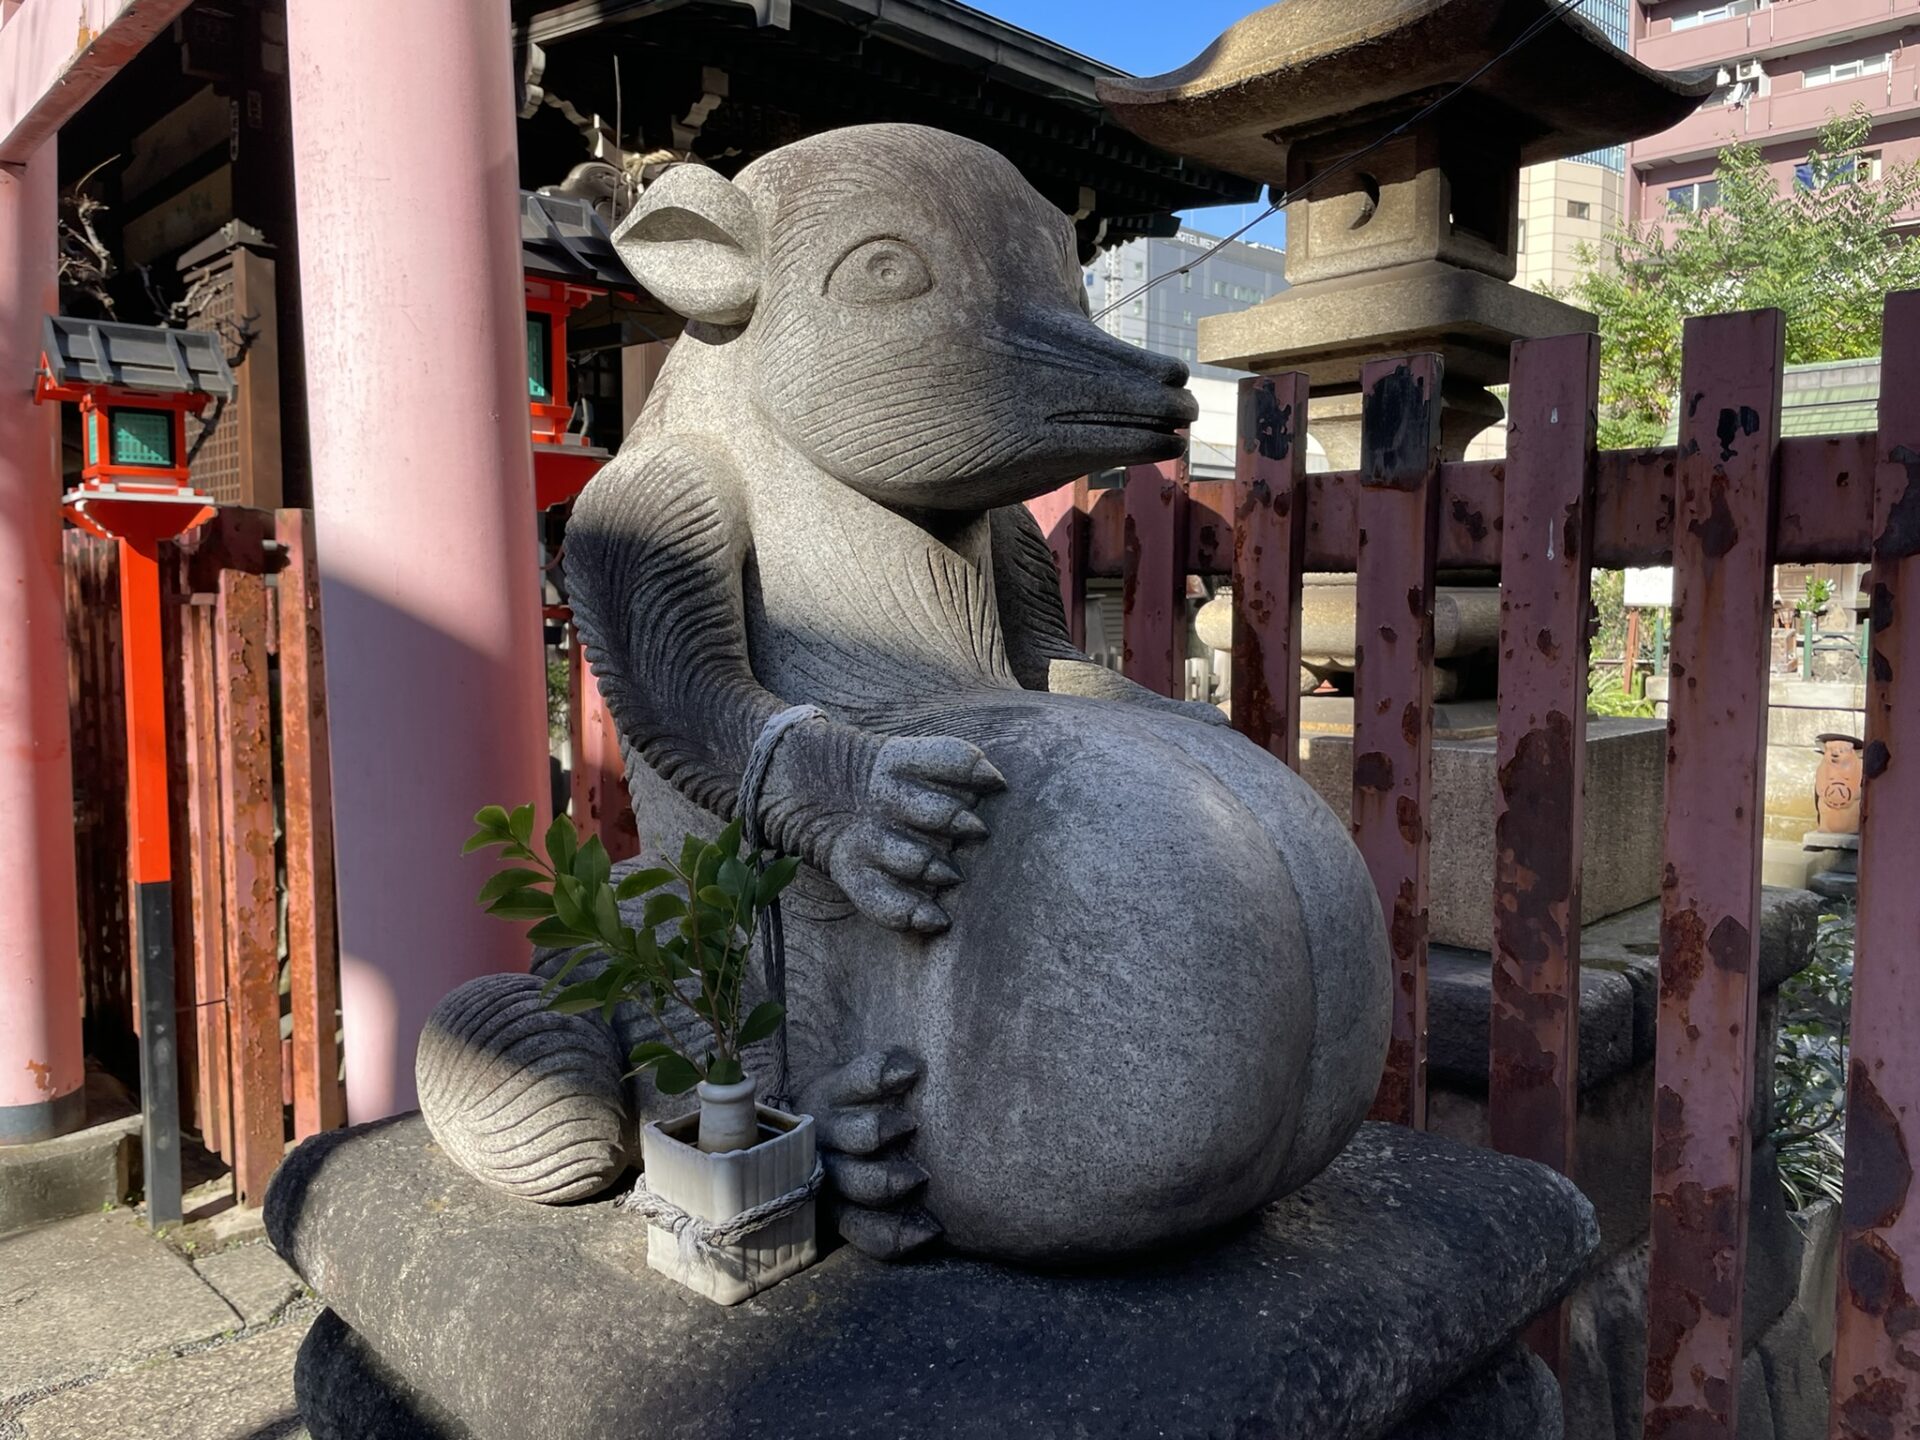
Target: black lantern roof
pixel 562 238
pixel 135 357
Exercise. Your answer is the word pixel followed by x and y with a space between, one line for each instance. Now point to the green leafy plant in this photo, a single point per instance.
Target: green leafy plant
pixel 1810 1068
pixel 712 898
pixel 1605 696
pixel 1819 595
pixel 1825 249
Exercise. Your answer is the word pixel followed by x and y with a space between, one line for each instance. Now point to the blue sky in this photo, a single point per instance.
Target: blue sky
pixel 1144 37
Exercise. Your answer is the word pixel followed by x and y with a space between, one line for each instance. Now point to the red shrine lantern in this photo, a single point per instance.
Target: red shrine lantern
pixel 135 386
pixel 569 263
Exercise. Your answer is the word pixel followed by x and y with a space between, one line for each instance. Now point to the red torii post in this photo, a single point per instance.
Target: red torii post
pixel 42 1066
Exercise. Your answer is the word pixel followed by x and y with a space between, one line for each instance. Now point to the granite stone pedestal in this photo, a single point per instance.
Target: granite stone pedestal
pixel 1382 1300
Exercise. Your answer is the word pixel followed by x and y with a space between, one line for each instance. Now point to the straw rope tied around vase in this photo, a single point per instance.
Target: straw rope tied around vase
pixel 703 1242
pixel 728 1190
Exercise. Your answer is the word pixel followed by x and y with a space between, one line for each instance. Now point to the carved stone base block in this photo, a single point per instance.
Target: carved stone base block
pixel 1380 1302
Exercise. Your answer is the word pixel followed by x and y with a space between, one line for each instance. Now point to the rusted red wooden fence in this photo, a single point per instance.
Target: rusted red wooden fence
pixel 1722 507
pixel 251 800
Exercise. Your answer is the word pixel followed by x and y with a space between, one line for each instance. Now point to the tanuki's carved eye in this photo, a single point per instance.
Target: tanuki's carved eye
pixel 880 271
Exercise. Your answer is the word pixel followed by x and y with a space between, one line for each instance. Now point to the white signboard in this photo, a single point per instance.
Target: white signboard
pixel 1650 589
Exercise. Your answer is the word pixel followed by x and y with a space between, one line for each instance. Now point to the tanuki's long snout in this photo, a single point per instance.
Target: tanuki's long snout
pixel 1100 398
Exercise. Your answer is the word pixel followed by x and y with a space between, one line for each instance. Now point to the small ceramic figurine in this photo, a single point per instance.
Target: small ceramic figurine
pixel 1836 785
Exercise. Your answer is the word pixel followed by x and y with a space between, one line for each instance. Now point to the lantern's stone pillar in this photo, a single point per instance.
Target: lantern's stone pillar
pixel 408 191
pixel 42 1069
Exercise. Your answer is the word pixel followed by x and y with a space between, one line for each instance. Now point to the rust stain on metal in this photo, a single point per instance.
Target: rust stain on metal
pixel 1879 1176
pixel 42 1076
pixel 1669 1128
pixel 1729 946
pixel 1718 534
pixel 1899 534
pixel 1683 955
pixel 1411 720
pixel 1373 771
pixel 1472 521
pixel 1407 815
pixel 1874 759
pixel 1407 933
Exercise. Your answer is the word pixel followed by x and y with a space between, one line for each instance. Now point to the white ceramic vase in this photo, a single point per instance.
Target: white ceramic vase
pixel 718 1185
pixel 727 1118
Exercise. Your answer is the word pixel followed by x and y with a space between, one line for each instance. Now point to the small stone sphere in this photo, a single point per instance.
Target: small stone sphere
pixel 525 1099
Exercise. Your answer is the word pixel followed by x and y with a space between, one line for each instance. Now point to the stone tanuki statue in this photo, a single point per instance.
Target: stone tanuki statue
pixel 1072 969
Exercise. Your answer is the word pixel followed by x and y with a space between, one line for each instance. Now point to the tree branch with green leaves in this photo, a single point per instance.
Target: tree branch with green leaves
pixel 700 967
pixel 1825 250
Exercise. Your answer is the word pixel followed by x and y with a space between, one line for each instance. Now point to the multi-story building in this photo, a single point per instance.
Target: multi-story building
pixel 1166 318
pixel 1565 204
pixel 1786 67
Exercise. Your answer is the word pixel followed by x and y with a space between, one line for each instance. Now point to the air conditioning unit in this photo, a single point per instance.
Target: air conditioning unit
pixel 1751 70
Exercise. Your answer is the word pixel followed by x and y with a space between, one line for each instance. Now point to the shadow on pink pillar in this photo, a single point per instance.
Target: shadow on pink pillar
pixel 408 186
pixel 42 1067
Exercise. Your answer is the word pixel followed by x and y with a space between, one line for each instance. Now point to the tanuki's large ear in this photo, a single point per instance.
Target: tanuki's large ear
pixel 693 241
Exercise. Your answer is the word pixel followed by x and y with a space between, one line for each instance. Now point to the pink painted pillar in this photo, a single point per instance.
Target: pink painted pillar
pixel 408 189
pixel 42 1069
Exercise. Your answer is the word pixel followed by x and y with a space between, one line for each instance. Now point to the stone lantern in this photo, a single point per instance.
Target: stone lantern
pixel 1412 247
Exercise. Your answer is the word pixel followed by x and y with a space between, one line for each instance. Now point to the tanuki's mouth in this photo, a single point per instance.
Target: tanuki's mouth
pixel 1161 424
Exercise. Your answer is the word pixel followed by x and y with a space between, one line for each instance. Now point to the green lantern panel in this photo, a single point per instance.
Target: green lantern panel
pixel 143 438
pixel 539 361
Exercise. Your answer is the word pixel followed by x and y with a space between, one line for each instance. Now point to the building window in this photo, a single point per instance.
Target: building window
pixel 1839 70
pixel 1186 280
pixel 1579 210
pixel 1696 195
pixel 1841 171
pixel 1186 317
pixel 1522 241
pixel 1712 13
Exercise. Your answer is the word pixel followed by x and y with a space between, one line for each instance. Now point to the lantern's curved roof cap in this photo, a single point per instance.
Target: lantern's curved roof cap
pixel 564 238
pixel 135 357
pixel 1305 67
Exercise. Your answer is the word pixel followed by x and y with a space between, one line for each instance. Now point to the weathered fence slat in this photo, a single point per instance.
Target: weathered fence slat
pixel 174 602
pixel 1546 554
pixel 1154 578
pixel 205 889
pixel 248 880
pixel 1710 893
pixel 1825 485
pixel 1061 515
pixel 1398 530
pixel 1269 559
pixel 1876 1379
pixel 313 954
